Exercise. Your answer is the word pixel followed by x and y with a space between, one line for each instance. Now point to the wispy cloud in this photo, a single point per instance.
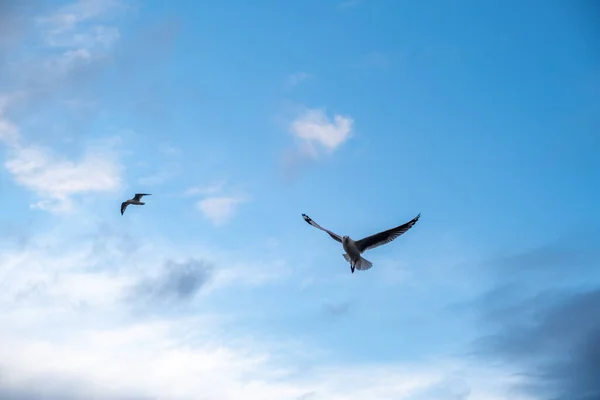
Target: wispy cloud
pixel 220 209
pixel 297 78
pixel 56 179
pixel 212 188
pixel 99 36
pixel 65 63
pixel 73 26
pixel 219 204
pixel 74 43
pixel 66 19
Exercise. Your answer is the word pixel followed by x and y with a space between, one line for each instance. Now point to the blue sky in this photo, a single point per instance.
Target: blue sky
pixel 240 116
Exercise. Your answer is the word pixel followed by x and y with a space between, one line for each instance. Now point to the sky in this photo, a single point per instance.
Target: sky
pixel 237 117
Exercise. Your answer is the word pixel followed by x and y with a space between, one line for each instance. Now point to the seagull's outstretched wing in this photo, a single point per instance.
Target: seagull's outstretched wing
pixel 376 240
pixel 313 223
pixel 124 206
pixel 138 196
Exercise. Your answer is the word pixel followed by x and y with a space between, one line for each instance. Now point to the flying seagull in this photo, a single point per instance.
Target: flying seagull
pixel 354 249
pixel 136 201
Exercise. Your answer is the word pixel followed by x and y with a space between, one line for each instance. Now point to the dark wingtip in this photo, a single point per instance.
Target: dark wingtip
pixel 415 219
pixel 306 218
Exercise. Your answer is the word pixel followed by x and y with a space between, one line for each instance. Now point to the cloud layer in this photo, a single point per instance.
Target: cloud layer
pixel 545 319
pixel 112 318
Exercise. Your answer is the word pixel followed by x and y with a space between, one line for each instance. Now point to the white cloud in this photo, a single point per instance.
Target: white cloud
pixel 68 17
pixel 220 209
pixel 314 129
pixel 57 67
pixel 97 36
pixel 218 205
pixel 210 189
pixel 56 179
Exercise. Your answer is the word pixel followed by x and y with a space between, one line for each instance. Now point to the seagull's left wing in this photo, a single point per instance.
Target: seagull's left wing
pixel 376 240
pixel 138 196
pixel 309 220
pixel 124 206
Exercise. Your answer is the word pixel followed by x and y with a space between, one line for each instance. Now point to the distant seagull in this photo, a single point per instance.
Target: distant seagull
pixel 136 201
pixel 354 249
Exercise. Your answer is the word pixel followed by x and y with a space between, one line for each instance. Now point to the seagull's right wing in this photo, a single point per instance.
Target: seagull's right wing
pixel 313 223
pixel 124 206
pixel 138 196
pixel 376 240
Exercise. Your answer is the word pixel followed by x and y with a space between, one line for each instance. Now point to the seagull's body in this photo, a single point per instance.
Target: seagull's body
pixel 353 255
pixel 354 249
pixel 136 200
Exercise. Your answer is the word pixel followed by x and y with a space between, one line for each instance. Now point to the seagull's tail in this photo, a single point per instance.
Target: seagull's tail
pixel 362 263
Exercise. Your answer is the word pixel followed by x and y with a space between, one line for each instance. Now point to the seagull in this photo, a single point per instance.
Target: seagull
pixel 136 200
pixel 354 249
